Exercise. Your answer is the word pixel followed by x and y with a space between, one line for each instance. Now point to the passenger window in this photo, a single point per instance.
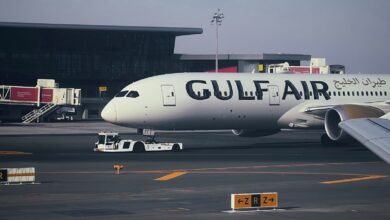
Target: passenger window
pixel 133 94
pixel 121 93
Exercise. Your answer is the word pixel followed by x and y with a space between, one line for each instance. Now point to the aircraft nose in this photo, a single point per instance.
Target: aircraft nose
pixel 109 112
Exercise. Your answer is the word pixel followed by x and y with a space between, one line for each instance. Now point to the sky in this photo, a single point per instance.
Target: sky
pixel 355 33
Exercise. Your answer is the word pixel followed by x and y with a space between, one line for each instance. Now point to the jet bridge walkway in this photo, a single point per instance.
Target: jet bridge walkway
pixel 46 96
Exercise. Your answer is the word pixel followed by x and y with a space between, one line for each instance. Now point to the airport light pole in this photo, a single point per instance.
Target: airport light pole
pixel 217 19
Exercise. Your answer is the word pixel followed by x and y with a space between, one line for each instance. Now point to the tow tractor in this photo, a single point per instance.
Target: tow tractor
pixel 111 142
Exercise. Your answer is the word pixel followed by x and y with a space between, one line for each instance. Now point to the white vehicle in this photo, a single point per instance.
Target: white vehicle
pixel 111 142
pixel 254 105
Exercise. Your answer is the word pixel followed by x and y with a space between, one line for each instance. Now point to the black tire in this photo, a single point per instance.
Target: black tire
pixel 175 148
pixel 139 147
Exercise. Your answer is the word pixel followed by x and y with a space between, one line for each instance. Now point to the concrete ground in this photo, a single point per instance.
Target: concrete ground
pixel 312 181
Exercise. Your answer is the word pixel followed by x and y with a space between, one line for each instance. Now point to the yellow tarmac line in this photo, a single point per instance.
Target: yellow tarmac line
pixel 228 169
pixel 207 172
pixel 353 179
pixel 171 176
pixel 278 173
pixel 175 174
pixel 252 167
pixel 10 152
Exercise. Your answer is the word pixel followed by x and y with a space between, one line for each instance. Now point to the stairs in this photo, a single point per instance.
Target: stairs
pixel 36 113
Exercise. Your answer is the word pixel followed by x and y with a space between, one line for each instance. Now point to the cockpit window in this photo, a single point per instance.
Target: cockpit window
pixel 133 94
pixel 121 93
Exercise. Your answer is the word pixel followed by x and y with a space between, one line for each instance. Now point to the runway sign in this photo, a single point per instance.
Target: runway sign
pixel 17 175
pixel 254 200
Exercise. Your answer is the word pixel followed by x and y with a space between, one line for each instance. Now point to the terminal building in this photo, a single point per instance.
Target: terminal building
pixel 101 60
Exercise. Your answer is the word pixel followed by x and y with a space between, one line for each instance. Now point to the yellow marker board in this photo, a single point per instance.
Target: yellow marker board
pixel 254 200
pixel 242 201
pixel 261 67
pixel 269 200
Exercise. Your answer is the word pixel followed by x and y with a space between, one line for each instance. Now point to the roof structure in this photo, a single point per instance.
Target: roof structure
pixel 171 30
pixel 264 56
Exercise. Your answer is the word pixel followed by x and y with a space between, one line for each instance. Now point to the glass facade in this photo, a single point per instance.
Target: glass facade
pixel 85 59
pixel 110 57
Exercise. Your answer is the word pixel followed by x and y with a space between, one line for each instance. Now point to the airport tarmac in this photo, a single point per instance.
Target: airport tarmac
pixel 74 182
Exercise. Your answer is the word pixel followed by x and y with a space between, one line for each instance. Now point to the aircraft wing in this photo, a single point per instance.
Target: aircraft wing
pixel 320 111
pixel 307 115
pixel 374 133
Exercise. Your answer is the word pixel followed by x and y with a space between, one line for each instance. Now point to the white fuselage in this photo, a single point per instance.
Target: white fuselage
pixel 212 101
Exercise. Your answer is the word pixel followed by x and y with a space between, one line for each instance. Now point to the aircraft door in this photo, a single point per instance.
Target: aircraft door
pixel 169 96
pixel 273 91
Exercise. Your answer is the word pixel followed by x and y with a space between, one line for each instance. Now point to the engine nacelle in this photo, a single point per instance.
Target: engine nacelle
pixel 341 113
pixel 254 132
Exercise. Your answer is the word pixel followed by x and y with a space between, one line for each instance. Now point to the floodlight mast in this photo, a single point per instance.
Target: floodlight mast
pixel 217 19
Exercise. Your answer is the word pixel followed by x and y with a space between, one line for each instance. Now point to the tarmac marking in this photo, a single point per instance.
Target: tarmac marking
pixel 353 179
pixel 277 173
pixel 225 169
pixel 171 176
pixel 275 166
pixel 245 170
pixel 175 174
pixel 11 152
pixel 252 167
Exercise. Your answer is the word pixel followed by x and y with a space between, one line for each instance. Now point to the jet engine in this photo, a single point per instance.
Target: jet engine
pixel 341 113
pixel 253 132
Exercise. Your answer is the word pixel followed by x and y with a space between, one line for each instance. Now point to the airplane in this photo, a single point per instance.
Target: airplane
pixel 254 105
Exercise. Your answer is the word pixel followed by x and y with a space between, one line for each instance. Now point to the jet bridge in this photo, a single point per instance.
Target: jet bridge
pixel 46 96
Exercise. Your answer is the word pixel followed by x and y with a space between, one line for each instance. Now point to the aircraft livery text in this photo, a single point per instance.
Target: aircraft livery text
pixel 260 86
